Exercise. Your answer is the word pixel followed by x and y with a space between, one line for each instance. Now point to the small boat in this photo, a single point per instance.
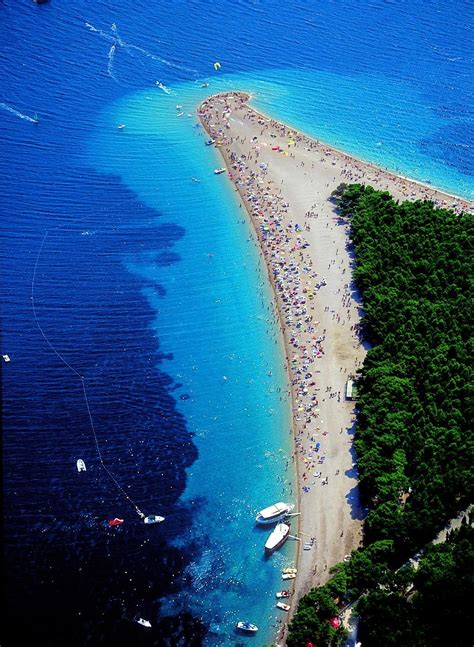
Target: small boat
pixel 283 606
pixel 115 522
pixel 120 126
pixel 247 627
pixel 153 518
pixel 277 537
pixel 143 622
pixel 204 85
pixel 81 466
pixel 178 106
pixel 290 570
pixel 210 142
pixel 283 594
pixel 218 171
pixel 6 358
pixel 274 513
pixel 288 576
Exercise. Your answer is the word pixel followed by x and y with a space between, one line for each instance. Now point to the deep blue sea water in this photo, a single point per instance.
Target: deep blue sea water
pixel 150 285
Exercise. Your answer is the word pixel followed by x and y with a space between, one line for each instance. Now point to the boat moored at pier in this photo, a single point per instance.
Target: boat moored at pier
pixel 274 513
pixel 277 537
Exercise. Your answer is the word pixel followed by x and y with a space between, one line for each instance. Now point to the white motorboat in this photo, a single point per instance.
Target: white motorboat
pixel 143 622
pixel 277 537
pixel 218 171
pixel 274 513
pixel 81 466
pixel 247 627
pixel 153 518
pixel 283 606
pixel 288 576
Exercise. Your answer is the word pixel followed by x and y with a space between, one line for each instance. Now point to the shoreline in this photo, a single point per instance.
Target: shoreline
pixel 347 156
pixel 284 179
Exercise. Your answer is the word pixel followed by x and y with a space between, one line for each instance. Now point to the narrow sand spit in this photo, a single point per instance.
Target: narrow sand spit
pixel 285 180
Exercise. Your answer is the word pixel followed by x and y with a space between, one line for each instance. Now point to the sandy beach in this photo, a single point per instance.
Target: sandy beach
pixel 285 180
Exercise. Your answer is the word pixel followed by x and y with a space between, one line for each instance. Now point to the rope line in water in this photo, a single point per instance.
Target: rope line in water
pixel 100 453
pixel 83 383
pixel 36 316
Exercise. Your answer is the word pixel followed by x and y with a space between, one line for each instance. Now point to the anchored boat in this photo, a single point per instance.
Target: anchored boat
pixel 277 537
pixel 143 622
pixel 81 466
pixel 153 518
pixel 218 171
pixel 274 513
pixel 246 627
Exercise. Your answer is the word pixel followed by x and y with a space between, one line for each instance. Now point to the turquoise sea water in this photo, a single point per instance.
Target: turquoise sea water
pixel 216 330
pixel 214 322
pixel 151 285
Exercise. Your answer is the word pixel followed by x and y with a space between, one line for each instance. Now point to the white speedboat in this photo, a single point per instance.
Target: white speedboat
pixel 274 513
pixel 143 622
pixel 153 518
pixel 283 606
pixel 218 171
pixel 277 537
pixel 247 627
pixel 81 466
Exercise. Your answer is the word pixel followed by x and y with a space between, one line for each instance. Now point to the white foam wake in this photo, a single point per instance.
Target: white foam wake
pixel 110 65
pixel 5 106
pixel 163 87
pixel 114 38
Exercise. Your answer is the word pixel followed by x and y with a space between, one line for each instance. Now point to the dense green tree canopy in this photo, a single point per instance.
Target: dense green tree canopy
pixel 414 270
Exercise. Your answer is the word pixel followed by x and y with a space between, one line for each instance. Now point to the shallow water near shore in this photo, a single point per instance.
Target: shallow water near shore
pixel 223 348
pixel 151 285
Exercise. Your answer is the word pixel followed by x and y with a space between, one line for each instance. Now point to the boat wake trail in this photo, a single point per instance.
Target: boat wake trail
pixel 163 87
pixel 114 38
pixel 5 106
pixel 110 66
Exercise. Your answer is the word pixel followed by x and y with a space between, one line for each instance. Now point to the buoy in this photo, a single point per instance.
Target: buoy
pixel 217 65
